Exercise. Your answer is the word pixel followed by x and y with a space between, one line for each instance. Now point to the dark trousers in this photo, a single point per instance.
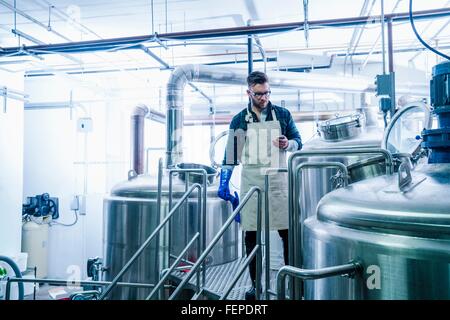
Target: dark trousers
pixel 250 243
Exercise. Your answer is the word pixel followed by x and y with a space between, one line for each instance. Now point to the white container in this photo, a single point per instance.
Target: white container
pixel 35 243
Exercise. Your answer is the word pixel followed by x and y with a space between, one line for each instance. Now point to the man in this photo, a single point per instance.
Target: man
pixel 260 135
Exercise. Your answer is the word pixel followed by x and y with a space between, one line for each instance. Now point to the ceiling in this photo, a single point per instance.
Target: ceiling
pixel 64 21
pixel 51 21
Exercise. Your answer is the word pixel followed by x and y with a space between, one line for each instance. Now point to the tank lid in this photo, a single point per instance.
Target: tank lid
pixel 379 205
pixel 341 128
pixel 403 132
pixel 146 186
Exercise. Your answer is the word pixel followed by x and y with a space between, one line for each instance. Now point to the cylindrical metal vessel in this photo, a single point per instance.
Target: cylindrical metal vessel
pixel 130 216
pixel 402 237
pixel 35 243
pixel 341 133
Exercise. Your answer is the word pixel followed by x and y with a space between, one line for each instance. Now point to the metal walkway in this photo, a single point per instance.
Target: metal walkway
pixel 218 277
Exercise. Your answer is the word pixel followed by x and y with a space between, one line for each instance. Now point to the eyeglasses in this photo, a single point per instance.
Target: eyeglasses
pixel 259 95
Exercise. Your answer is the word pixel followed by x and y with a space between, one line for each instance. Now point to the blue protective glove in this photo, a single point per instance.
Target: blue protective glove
pixel 224 191
pixel 224 186
pixel 235 204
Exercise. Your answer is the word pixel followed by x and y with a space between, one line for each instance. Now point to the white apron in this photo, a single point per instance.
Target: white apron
pixel 259 154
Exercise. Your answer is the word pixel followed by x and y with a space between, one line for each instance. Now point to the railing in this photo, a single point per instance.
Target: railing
pixel 59 282
pixel 293 218
pixel 158 229
pixel 350 269
pixel 201 218
pixel 298 214
pixel 256 251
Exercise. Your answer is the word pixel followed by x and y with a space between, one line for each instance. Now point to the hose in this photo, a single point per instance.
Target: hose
pixel 411 20
pixel 16 270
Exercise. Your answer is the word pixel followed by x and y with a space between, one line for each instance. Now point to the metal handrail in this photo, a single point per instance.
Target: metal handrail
pixel 11 280
pixel 298 214
pixel 349 269
pixel 151 237
pixel 291 180
pixel 220 234
pixel 202 217
pixel 147 151
pixel 241 270
pixel 266 220
pixel 169 271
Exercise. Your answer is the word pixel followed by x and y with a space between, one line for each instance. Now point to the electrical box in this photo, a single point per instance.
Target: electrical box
pixel 84 125
pixel 386 92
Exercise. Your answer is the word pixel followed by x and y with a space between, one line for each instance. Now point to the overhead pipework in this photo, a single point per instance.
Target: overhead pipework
pixel 182 75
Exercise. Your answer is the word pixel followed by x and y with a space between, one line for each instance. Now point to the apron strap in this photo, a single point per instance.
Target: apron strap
pixel 249 117
pixel 274 116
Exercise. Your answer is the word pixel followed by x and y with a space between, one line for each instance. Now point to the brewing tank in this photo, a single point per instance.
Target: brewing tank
pixel 359 130
pixel 401 237
pixel 130 216
pixel 397 226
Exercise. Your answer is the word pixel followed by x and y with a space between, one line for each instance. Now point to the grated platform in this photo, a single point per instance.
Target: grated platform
pixel 219 277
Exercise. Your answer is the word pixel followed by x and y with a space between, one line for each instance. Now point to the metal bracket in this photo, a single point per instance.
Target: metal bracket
pixel 156 39
pixel 338 180
pixel 405 181
pixel 404 176
pixel 132 175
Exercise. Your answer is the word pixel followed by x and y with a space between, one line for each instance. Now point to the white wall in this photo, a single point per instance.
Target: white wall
pixel 11 166
pixel 64 162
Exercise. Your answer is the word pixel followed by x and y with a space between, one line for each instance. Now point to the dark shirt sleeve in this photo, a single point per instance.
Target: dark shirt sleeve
pixel 292 131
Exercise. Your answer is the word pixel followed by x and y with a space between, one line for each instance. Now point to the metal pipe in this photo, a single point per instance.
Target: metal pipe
pixel 266 221
pixel 59 282
pixel 189 263
pixel 137 138
pixel 383 36
pixel 291 181
pixel 177 261
pixel 262 52
pixel 350 269
pixel 149 239
pixel 298 214
pixel 26 16
pixel 250 51
pixel 217 238
pixel 211 74
pixel 390 47
pixel 107 44
pixel 203 213
pixel 239 273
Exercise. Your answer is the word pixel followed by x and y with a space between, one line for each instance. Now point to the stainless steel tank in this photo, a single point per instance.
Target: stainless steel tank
pixel 130 216
pixel 360 130
pixel 402 238
pixel 398 226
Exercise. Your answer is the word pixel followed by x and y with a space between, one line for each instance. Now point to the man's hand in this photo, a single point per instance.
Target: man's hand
pixel 281 142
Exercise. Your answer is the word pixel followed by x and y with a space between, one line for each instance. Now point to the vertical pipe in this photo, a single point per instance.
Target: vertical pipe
pixel 383 36
pixel 137 138
pixel 158 210
pixel 390 46
pixel 250 50
pixel 258 243
pixel 153 24
pixel 266 235
pixel 166 14
pixel 203 240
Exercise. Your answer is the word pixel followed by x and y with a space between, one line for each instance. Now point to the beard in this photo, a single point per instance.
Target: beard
pixel 259 104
